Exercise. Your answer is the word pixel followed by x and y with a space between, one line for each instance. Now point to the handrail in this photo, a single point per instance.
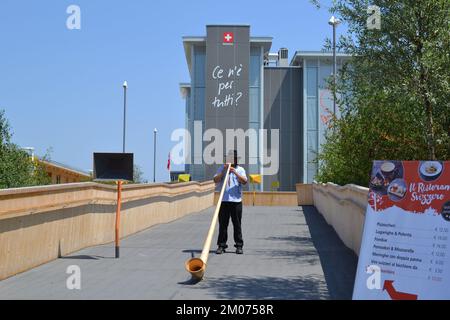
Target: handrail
pixel 54 197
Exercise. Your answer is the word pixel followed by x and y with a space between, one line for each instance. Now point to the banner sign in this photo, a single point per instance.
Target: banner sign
pixel 227 69
pixel 405 245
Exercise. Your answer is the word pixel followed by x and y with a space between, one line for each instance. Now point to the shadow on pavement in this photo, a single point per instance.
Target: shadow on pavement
pixel 193 252
pixel 190 282
pixel 299 250
pixel 86 257
pixel 297 288
pixel 338 262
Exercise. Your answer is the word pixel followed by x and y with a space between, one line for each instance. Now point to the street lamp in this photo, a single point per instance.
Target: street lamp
pixel 125 86
pixel 334 23
pixel 154 154
pixel 30 151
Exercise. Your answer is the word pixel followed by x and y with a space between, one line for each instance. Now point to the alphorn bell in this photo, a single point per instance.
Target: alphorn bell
pixel 197 266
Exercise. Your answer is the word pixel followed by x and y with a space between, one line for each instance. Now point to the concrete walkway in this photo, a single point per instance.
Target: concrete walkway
pixel 289 253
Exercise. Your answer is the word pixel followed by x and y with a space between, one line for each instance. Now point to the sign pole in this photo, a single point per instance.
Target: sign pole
pixel 271 196
pixel 254 193
pixel 119 200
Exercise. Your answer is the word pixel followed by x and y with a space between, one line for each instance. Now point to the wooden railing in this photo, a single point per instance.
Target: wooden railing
pixel 343 207
pixel 38 224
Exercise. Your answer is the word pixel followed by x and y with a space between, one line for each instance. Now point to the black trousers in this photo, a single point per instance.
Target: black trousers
pixel 233 210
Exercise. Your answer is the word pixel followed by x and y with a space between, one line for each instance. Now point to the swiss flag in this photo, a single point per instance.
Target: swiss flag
pixel 228 37
pixel 168 162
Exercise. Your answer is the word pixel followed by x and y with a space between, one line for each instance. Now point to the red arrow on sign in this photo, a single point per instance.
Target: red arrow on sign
pixel 397 295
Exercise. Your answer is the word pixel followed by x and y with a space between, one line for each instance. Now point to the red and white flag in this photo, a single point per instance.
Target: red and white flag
pixel 168 162
pixel 228 37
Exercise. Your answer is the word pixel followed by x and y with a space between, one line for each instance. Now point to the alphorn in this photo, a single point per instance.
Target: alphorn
pixel 197 266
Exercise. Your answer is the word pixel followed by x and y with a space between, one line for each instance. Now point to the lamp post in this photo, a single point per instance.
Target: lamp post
pixel 334 23
pixel 30 151
pixel 154 154
pixel 125 86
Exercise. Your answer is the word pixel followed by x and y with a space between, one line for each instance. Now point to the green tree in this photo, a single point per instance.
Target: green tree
pixel 16 167
pixel 138 175
pixel 394 95
pixel 40 175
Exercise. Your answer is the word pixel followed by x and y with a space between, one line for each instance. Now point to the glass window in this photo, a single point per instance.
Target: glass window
pixel 311 113
pixel 255 70
pixel 311 78
pixel 312 171
pixel 188 109
pixel 254 104
pixel 253 142
pixel 311 62
pixel 311 146
pixel 199 103
pixel 325 71
pixel 199 66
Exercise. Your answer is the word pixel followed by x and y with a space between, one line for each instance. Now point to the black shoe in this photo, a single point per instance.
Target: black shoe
pixel 220 250
pixel 239 250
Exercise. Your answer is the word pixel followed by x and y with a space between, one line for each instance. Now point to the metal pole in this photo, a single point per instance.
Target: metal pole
pixel 334 69
pixel 117 229
pixel 124 114
pixel 154 155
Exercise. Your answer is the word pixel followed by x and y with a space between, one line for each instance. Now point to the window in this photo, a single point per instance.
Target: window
pixel 311 86
pixel 199 66
pixel 311 146
pixel 311 113
pixel 58 179
pixel 255 69
pixel 254 105
pixel 199 104
pixel 325 72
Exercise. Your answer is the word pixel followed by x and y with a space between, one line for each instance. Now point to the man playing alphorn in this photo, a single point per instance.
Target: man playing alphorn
pixel 231 203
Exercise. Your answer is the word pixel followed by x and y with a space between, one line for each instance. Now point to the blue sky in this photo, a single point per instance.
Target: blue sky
pixel 63 88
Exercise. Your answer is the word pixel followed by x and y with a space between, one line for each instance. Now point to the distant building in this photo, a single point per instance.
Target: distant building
pixel 62 173
pixel 59 172
pixel 265 91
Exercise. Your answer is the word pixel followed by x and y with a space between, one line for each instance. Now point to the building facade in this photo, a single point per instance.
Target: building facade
pixel 62 173
pixel 237 83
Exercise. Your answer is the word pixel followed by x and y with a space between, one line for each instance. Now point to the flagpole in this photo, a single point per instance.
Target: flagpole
pixel 168 167
pixel 154 155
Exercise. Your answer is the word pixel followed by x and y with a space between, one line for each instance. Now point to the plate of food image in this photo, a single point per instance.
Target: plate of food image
pixel 377 183
pixel 390 170
pixel 387 167
pixel 397 190
pixel 430 170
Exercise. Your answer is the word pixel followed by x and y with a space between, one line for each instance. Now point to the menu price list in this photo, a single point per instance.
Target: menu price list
pixel 411 252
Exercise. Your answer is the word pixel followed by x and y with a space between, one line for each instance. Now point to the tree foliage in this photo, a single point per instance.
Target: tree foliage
pixel 16 167
pixel 138 175
pixel 394 94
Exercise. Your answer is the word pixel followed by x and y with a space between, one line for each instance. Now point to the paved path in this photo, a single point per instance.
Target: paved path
pixel 289 253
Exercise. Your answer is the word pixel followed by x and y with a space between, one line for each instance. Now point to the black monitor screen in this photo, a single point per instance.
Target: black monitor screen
pixel 113 166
